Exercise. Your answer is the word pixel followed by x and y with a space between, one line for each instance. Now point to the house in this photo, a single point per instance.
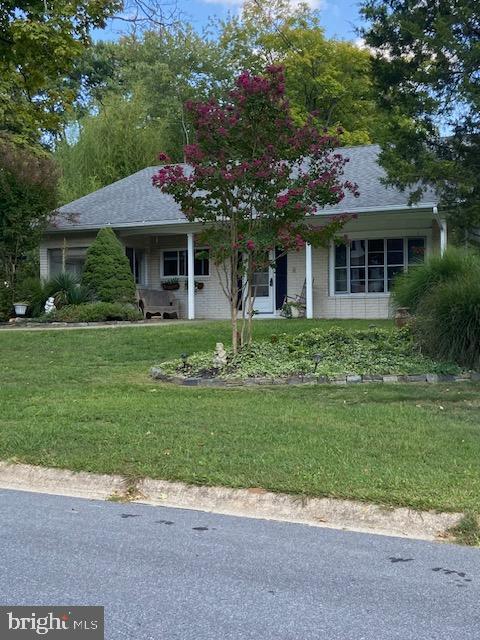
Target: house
pixel 351 281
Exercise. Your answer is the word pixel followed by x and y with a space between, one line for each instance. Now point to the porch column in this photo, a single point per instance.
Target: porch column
pixel 443 236
pixel 191 276
pixel 308 281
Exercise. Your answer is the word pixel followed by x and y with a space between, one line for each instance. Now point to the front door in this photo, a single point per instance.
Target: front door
pixel 264 290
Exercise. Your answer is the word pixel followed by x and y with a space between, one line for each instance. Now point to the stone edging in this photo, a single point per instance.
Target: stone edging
pixel 433 378
pixel 255 502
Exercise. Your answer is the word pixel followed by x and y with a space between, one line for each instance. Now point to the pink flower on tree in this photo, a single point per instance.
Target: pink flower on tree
pixel 256 179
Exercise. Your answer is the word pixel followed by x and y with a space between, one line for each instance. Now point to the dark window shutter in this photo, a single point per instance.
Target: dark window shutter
pixel 280 279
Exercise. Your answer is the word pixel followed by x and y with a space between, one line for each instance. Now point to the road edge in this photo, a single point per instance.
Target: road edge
pixel 258 503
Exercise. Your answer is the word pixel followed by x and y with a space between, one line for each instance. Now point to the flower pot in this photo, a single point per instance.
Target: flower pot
pixel 20 308
pixel 402 317
pixel 170 286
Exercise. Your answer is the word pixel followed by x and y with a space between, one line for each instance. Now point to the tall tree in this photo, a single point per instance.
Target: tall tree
pixel 327 76
pixel 426 66
pixel 28 191
pixel 40 40
pixel 131 103
pixel 256 179
pixel 118 141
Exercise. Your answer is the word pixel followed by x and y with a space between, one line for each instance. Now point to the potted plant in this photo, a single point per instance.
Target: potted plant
pixel 291 310
pixel 198 285
pixel 171 285
pixel 20 308
pixel 402 317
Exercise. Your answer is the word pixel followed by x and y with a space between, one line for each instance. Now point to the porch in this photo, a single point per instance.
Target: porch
pixel 345 282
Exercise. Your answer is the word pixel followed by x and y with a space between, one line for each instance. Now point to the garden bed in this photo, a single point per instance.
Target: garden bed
pixel 319 356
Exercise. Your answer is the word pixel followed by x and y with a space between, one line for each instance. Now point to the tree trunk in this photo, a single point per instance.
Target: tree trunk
pixel 233 301
pixel 250 302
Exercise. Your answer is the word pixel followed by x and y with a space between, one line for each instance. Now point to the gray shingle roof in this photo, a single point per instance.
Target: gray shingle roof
pixel 134 200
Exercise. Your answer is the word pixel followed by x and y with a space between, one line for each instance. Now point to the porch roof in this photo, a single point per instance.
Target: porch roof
pixel 133 201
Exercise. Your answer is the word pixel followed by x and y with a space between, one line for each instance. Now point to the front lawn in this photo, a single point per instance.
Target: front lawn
pixel 83 400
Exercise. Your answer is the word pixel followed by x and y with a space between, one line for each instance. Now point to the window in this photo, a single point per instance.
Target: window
pixel 136 257
pixel 72 260
pixel 175 263
pixel 370 266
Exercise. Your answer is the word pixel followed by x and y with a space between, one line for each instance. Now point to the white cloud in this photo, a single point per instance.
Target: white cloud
pixel 314 4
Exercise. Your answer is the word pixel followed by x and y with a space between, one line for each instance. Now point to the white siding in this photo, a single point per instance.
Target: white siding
pixel 211 302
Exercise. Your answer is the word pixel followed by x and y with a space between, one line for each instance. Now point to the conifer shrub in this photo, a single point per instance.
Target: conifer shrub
pixel 107 272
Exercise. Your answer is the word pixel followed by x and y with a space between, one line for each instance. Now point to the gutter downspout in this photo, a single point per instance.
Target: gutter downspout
pixel 442 224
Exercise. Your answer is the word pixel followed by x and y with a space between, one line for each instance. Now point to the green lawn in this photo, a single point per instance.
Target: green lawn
pixel 83 400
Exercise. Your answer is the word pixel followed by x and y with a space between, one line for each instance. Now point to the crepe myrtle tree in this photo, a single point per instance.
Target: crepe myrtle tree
pixel 255 179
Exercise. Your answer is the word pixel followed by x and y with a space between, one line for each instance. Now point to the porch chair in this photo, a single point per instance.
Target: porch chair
pixel 300 300
pixel 157 302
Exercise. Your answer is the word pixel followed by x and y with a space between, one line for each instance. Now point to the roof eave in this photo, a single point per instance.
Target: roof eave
pixel 425 206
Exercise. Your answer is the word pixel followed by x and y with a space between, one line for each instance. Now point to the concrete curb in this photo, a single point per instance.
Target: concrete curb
pixel 71 326
pixel 61 482
pixel 252 503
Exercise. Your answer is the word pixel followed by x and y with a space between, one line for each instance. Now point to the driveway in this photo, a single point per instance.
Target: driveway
pixel 173 574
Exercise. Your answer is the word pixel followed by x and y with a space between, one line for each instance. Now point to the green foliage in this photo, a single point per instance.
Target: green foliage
pixel 94 312
pixel 32 290
pixel 444 293
pixel 132 92
pixel 133 105
pixel 411 287
pixel 39 43
pixel 342 351
pixel 5 303
pixel 327 76
pixel 467 531
pixel 426 72
pixel 28 196
pixel 119 141
pixel 448 320
pixel 67 289
pixel 107 271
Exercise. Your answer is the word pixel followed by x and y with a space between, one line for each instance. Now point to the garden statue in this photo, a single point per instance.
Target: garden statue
pixel 220 356
pixel 50 305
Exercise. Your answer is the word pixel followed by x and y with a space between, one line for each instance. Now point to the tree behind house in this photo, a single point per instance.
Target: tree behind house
pixel 107 271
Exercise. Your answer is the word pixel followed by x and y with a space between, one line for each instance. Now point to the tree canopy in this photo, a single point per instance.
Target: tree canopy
pixel 426 66
pixel 39 42
pixel 28 195
pixel 164 69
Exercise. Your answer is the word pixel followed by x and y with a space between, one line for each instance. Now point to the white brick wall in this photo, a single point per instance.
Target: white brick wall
pixel 211 302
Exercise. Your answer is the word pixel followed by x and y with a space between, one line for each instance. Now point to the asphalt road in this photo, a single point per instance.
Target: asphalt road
pixel 174 574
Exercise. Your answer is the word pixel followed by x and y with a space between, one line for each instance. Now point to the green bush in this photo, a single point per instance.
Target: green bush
pixel 107 272
pixel 5 304
pixel 94 312
pixel 342 351
pixel 67 289
pixel 412 286
pixel 64 287
pixel 448 321
pixel 32 290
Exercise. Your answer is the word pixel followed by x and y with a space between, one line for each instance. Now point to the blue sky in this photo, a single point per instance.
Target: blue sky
pixel 338 17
